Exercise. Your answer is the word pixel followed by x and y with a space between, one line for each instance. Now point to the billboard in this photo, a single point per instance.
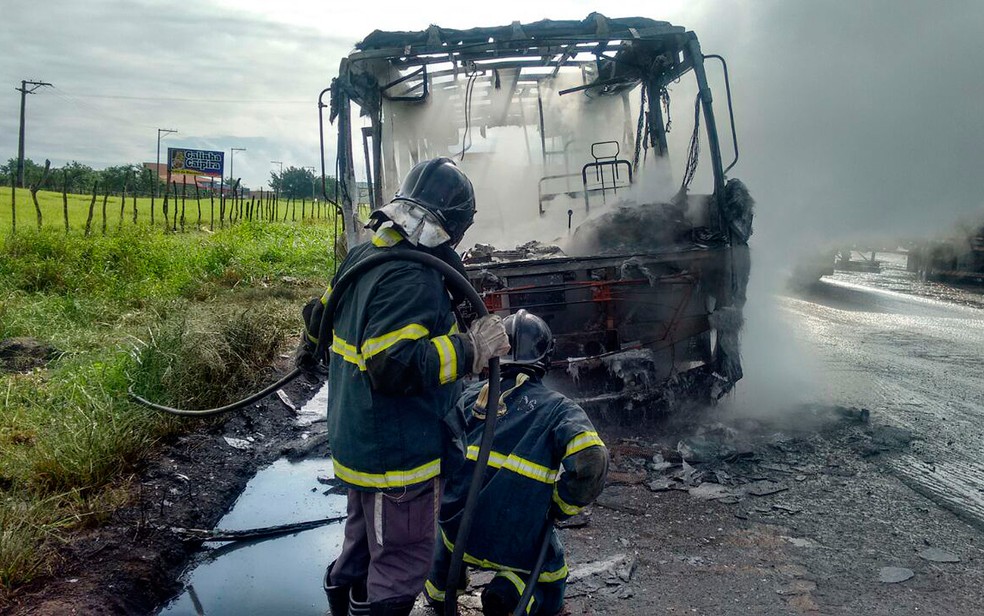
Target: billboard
pixel 183 161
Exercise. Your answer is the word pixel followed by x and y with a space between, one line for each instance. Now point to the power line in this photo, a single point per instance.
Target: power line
pixel 94 110
pixel 167 99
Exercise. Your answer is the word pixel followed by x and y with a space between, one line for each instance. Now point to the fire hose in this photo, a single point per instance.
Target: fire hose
pixel 452 278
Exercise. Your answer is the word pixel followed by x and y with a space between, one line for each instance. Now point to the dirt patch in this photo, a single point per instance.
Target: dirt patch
pixel 130 565
pixel 23 354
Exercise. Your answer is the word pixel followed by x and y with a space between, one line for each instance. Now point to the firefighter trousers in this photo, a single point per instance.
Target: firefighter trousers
pixel 389 541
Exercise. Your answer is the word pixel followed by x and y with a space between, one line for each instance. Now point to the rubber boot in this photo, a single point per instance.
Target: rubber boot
pixel 358 601
pixel 494 604
pixel 338 596
pixel 399 607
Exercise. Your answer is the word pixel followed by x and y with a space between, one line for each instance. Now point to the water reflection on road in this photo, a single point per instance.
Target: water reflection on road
pixel 915 362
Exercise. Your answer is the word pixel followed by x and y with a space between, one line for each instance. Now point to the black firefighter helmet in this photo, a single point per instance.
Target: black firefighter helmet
pixel 440 187
pixel 531 342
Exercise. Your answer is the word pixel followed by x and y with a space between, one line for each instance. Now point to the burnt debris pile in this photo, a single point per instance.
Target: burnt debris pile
pixel 641 228
pixel 747 459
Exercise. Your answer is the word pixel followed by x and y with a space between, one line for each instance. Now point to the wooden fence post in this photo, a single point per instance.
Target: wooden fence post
pixel 105 199
pixel 65 197
pixel 184 190
pixel 37 185
pixel 235 200
pixel 198 199
pixel 13 202
pixel 164 210
pixel 123 203
pixel 155 179
pixel 134 207
pixel 221 205
pixel 174 187
pixel 92 206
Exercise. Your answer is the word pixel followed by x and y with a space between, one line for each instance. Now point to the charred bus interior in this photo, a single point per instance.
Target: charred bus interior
pixel 596 210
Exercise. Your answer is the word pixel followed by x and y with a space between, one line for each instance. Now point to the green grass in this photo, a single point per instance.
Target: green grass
pixel 190 319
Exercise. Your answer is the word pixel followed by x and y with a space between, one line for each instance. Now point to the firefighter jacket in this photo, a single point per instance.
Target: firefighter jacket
pixel 395 356
pixel 546 460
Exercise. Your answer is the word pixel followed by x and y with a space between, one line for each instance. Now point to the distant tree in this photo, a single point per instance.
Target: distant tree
pixel 113 178
pixel 299 183
pixel 32 171
pixel 80 177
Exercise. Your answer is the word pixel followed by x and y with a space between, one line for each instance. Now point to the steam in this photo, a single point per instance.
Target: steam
pixel 780 367
pixel 501 150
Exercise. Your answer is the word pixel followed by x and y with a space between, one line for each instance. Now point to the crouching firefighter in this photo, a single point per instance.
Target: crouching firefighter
pixel 547 463
pixel 395 356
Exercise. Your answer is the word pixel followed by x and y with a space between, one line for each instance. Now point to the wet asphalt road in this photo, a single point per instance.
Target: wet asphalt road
pixel 915 362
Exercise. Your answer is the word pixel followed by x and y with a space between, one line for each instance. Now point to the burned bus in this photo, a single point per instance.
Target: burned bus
pixel 604 204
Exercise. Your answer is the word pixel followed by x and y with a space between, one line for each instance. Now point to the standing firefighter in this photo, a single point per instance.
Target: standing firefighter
pixel 395 357
pixel 547 463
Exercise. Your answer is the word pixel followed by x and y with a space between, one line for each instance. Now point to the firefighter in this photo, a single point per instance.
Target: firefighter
pixel 547 463
pixel 395 356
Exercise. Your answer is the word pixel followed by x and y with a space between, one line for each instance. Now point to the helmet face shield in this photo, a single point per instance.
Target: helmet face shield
pixel 419 225
pixel 441 188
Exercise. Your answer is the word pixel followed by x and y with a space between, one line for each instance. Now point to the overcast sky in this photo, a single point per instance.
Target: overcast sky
pixel 853 117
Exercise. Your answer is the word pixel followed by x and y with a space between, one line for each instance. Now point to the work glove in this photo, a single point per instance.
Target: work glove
pixel 305 360
pixel 489 339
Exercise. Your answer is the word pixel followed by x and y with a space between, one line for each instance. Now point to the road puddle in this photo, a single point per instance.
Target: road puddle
pixel 280 575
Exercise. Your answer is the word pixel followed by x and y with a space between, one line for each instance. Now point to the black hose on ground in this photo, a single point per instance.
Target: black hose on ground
pixel 452 279
pixel 263 393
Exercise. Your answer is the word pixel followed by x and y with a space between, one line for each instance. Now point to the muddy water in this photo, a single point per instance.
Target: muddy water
pixel 282 575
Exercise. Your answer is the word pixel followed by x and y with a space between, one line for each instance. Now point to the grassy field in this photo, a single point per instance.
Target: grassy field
pixel 174 313
pixel 53 211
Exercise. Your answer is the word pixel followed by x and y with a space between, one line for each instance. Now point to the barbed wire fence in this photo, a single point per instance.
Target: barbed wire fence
pixel 225 205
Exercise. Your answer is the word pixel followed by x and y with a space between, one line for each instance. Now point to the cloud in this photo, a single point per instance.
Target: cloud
pixel 111 61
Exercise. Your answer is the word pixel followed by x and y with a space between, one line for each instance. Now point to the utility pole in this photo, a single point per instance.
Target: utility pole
pixel 232 163
pixel 157 169
pixel 20 143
